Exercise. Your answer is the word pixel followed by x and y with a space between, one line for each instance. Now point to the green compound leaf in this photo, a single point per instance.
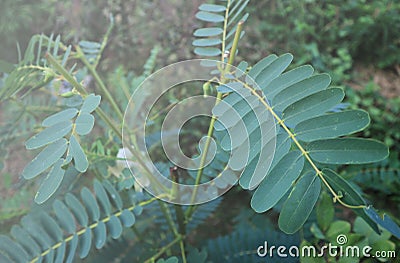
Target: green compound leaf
pixel 301 201
pixel 91 103
pixel 332 125
pixel 302 105
pixel 278 181
pixel 347 151
pixel 45 159
pixel 80 160
pixel 219 22
pixel 57 235
pixel 61 116
pixel 50 183
pixel 49 135
pixel 84 123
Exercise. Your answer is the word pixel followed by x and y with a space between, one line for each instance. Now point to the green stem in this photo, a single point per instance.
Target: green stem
pixel 228 5
pixel 65 74
pixel 168 216
pixel 101 84
pixel 104 43
pixel 180 216
pixel 232 55
pixel 164 249
pixel 182 246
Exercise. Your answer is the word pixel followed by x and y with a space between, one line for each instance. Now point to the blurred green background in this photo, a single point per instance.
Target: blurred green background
pixel 333 35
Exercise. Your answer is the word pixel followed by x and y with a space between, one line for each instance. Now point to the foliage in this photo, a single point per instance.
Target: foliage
pixel 381 178
pixel 76 224
pixel 17 23
pixel 253 230
pixel 330 34
pixel 297 186
pixel 383 112
pixel 328 229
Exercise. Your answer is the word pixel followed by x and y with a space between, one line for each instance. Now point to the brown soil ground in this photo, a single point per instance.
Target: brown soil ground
pixel 387 80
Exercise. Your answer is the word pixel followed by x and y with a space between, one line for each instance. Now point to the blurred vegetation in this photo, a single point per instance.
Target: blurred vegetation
pixel 330 34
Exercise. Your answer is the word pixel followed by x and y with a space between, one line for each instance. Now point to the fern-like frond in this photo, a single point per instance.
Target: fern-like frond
pixel 60 137
pixel 382 177
pixel 243 243
pixel 216 38
pixel 33 72
pixel 309 138
pixel 150 64
pixel 203 212
pixel 75 226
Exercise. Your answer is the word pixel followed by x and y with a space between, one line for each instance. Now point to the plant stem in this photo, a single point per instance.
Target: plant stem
pixel 104 42
pixel 210 132
pixel 228 5
pixel 182 246
pixel 168 217
pixel 82 91
pixel 180 216
pixel 65 74
pixel 163 249
pixel 101 84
